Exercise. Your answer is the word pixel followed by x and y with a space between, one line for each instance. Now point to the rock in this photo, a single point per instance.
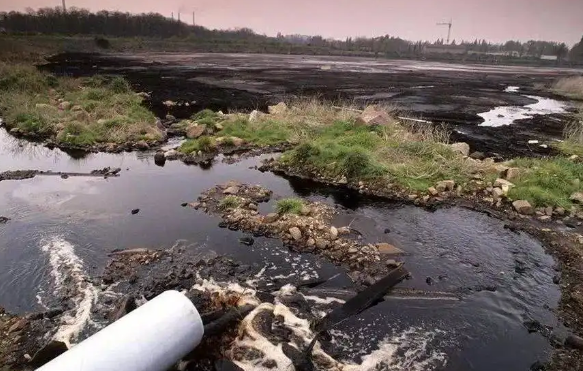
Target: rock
pixel 232 190
pixel 497 193
pixel 333 233
pixel 64 106
pixel 278 109
pixel 549 211
pixel 252 206
pixel 432 191
pixel 462 148
pixel 577 197
pixel 391 263
pixel 170 117
pixel 575 342
pixel 560 211
pixel 445 185
pixel 47 353
pixel 305 211
pixel 544 218
pixel 125 306
pixel 556 279
pixel 372 115
pixel 4 220
pixel 135 211
pixel 343 180
pixel 343 231
pixel 321 243
pixel 219 126
pixel 194 131
pixel 523 207
pixel 295 233
pixel 429 281
pixel 388 249
pixel 194 205
pixel 387 231
pixel 247 241
pixel 501 170
pixel 512 173
pixel 18 326
pixel 570 223
pixel 254 116
pixel 169 103
pixel 171 154
pixel 237 142
pixel 270 218
pixel 184 204
pixel 159 158
pixel 311 242
pixel 142 145
pixel 477 155
pixel 504 185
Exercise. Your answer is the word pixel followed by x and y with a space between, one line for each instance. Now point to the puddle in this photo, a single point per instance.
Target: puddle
pixel 506 115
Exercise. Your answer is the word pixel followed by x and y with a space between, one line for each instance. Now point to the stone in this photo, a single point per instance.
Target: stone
pixel 432 191
pixel 560 211
pixel 512 173
pixel 295 233
pixel 171 154
pixel 311 242
pixel 333 233
pixel 270 218
pixel 373 115
pixel 232 190
pixel 169 103
pixel 159 158
pixel 43 105
pixel 523 207
pixel 574 158
pixel 573 341
pixel 278 109
pixel 501 170
pixel 252 206
pixel 391 263
pixel 321 243
pixel 343 231
pixel 64 106
pixel 4 220
pixel 135 211
pixel 48 352
pixel 142 145
pixel 387 231
pixel 194 131
pixel 445 185
pixel 477 156
pixel 388 249
pixel 237 142
pixel 577 197
pixel 544 218
pixel 125 306
pixel 497 193
pixel 219 126
pixel 549 211
pixel 18 326
pixel 247 241
pixel 343 180
pixel 504 185
pixel 461 147
pixel 254 116
pixel 305 211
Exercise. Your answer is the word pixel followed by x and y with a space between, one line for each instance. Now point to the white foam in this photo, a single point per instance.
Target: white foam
pixel 506 115
pixel 67 266
pixel 512 89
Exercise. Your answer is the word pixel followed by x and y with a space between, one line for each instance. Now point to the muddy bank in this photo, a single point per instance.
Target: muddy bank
pixel 28 174
pixel 454 94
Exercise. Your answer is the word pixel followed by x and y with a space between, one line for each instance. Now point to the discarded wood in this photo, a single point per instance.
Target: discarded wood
pixel 347 109
pixel 414 120
pixel 233 315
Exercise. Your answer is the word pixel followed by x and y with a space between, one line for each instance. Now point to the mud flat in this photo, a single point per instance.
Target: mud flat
pixel 437 92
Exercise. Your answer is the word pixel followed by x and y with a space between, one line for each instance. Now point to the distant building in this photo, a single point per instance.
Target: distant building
pixel 444 49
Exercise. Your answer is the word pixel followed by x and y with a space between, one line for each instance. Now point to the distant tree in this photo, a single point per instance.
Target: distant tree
pixel 576 53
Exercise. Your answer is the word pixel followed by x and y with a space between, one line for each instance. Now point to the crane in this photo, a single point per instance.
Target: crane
pixel 449 24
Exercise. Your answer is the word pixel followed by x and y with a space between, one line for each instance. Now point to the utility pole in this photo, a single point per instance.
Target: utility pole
pixel 178 16
pixel 449 24
pixel 64 7
pixel 193 23
pixel 172 15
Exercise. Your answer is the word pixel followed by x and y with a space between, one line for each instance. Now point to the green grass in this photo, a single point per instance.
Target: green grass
pixel 229 202
pixel 547 182
pixel 100 109
pixel 289 206
pixel 260 133
pixel 203 144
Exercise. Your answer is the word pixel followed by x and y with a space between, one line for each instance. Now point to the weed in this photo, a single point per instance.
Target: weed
pixel 571 87
pixel 205 114
pixel 289 206
pixel 204 144
pixel 229 202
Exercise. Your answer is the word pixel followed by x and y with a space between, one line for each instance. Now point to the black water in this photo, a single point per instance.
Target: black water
pixel 502 278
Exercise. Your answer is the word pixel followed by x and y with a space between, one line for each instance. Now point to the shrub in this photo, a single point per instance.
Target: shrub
pixel 229 202
pixel 119 85
pixel 289 206
pixel 205 114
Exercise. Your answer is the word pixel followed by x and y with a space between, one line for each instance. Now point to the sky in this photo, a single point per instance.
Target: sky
pixel 493 20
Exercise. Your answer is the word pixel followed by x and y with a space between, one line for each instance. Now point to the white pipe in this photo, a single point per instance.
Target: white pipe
pixel 151 338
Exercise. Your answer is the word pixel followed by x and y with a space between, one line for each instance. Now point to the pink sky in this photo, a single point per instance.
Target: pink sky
pixel 495 20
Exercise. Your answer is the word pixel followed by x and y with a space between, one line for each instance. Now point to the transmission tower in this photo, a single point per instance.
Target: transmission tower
pixel 448 24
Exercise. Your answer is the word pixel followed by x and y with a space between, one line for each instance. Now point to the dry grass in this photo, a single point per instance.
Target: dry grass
pixel 571 87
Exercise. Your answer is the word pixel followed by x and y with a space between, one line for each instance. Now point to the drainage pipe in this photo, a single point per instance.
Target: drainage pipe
pixel 151 338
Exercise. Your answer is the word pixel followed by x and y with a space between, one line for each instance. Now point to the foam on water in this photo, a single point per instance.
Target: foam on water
pixel 70 281
pixel 506 115
pixel 414 349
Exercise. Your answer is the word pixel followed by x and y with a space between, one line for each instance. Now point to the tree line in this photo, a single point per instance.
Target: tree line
pixel 76 21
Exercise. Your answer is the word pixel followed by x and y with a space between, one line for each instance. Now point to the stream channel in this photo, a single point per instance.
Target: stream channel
pixel 499 279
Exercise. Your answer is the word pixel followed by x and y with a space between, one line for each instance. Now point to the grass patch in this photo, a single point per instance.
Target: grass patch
pixel 229 202
pixel 289 206
pixel 571 87
pixel 203 144
pixel 80 112
pixel 547 182
pixel 262 133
